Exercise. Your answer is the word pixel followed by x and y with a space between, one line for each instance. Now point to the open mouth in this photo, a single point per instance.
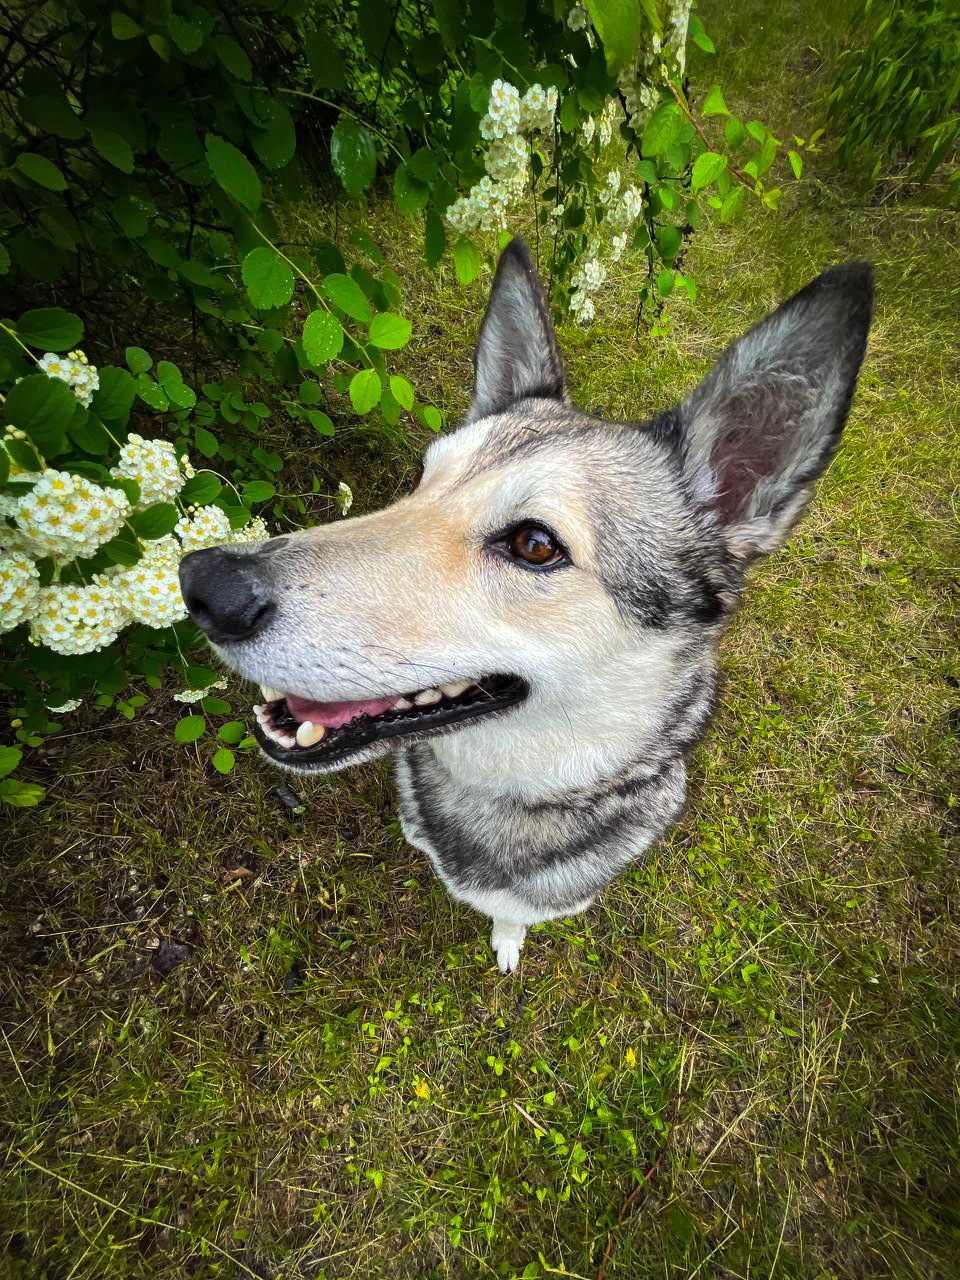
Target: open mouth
pixel 304 734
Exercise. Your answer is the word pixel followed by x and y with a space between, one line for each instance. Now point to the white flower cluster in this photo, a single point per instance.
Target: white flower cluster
pixel 75 370
pixel 203 527
pixel 623 209
pixel 578 19
pixel 503 111
pixel 155 467
pixel 71 619
pixel 194 695
pixel 509 117
pixel 150 589
pixel 68 516
pixel 19 586
pixel 344 496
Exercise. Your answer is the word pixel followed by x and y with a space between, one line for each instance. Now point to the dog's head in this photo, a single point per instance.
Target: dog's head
pixel 546 560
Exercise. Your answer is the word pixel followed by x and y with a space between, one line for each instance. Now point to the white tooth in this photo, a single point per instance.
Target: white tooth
pixel 257 710
pixel 271 695
pixel 309 733
pixel 455 688
pixel 402 704
pixel 426 696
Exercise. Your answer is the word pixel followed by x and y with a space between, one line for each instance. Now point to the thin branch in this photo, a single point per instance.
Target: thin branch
pixel 731 168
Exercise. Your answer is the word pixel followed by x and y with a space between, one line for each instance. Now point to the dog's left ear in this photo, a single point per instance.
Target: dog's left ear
pixel 766 420
pixel 517 353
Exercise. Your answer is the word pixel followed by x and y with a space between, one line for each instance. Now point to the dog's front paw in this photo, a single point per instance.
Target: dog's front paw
pixel 507 942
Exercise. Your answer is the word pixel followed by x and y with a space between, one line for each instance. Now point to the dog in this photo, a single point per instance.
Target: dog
pixel 532 632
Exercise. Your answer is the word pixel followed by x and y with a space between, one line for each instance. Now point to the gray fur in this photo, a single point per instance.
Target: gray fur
pixel 528 812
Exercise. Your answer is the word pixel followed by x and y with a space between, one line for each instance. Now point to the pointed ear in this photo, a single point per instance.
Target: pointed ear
pixel 517 352
pixel 766 420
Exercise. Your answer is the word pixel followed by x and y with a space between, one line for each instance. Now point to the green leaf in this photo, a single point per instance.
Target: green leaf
pixel 258 491
pixel 152 393
pixel 131 217
pixel 201 489
pixel 114 149
pixel 123 27
pixel 467 260
pixel 268 278
pixel 50 329
pixel 41 170
pixel 114 398
pixel 42 407
pixel 402 391
pixel 232 732
pixel 662 129
pixel 735 133
pixel 87 431
pixel 450 22
pixel 180 395
pixel 206 442
pixel 4 260
pixel 122 549
pixel 714 104
pixel 365 390
pixel 276 144
pixel 435 238
pixel 190 728
pixel 707 168
pixel 699 36
pixel 215 706
pixel 796 163
pixel 233 171
pixel 185 35
pixel 156 522
pixel 411 195
pixel 669 240
pixel 22 795
pixel 389 331
pixel 618 25
pixel 9 759
pixel 322 336
pixel 138 360
pixel 224 760
pixel 232 57
pixel 353 155
pixel 433 418
pixel 345 293
pixel 732 203
pixel 665 283
pixel 324 60
pixel 320 422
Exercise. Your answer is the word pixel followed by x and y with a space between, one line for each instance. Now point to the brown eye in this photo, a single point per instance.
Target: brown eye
pixel 534 545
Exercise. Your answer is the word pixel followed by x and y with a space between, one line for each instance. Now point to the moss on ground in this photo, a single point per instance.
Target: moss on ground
pixel 242 1041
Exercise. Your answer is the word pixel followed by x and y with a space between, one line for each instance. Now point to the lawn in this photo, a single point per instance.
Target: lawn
pixel 246 1033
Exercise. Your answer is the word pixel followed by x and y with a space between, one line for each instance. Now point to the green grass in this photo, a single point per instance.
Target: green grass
pixel 742 1062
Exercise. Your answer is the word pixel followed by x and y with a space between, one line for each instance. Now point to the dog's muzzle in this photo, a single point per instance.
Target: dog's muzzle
pixel 226 594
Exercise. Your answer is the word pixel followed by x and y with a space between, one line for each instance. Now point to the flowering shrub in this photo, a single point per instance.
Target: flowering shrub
pixel 477 120
pixel 90 550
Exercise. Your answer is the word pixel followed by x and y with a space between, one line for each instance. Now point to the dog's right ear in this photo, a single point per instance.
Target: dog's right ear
pixel 517 353
pixel 766 420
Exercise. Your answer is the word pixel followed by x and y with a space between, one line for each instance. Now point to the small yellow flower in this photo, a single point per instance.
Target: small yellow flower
pixel 630 1058
pixel 421 1089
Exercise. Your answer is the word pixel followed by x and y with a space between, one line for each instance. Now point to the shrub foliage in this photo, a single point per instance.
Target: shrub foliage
pixel 149 161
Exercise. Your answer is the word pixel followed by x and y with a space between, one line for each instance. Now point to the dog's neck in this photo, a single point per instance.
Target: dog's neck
pixel 643 706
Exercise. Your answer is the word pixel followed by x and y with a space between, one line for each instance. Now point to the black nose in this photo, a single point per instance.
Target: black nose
pixel 226 593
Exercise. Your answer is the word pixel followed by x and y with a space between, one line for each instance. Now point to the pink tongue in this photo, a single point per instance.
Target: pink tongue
pixel 335 714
